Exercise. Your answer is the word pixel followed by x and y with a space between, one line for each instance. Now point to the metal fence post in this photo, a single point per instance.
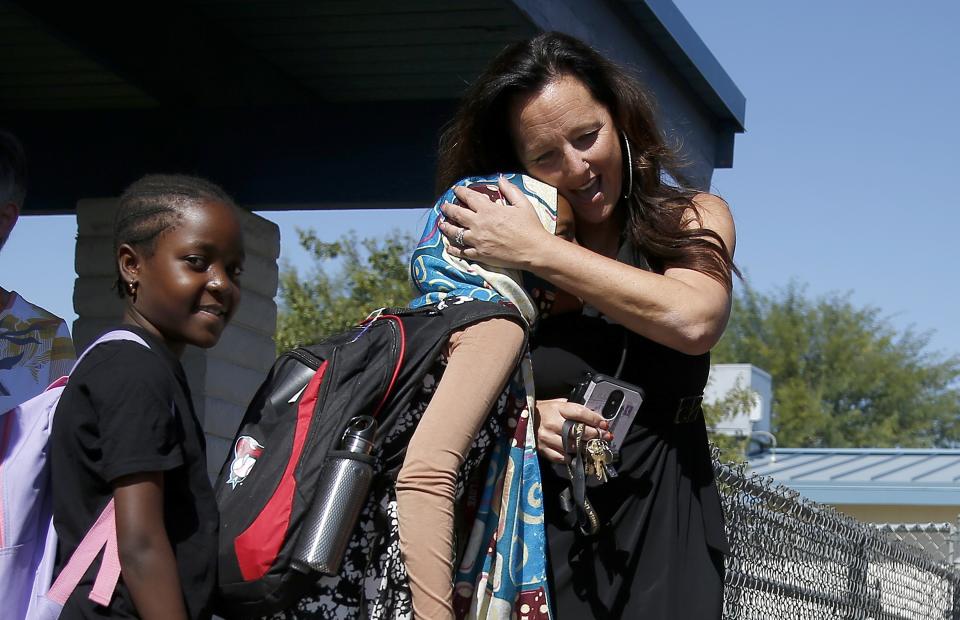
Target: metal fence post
pixel 952 547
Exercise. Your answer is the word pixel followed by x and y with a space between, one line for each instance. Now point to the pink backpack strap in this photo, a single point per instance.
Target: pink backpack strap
pixel 109 573
pixel 102 534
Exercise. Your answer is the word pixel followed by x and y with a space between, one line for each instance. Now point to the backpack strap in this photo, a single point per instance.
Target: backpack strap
pixel 102 535
pixel 110 336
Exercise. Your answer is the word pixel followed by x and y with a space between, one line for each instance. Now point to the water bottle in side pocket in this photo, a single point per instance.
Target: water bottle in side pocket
pixel 341 492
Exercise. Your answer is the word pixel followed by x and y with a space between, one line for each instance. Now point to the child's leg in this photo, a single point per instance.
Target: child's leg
pixel 481 359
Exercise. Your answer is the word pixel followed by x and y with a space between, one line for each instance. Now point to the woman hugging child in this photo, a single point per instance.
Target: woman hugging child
pixel 475 402
pixel 125 427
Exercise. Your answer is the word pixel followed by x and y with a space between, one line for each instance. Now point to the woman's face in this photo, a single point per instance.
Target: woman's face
pixel 566 138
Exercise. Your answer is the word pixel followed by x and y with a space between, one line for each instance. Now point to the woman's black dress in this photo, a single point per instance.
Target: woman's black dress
pixel 659 552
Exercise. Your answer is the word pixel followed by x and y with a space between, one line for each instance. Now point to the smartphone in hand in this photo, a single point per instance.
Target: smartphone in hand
pixel 616 400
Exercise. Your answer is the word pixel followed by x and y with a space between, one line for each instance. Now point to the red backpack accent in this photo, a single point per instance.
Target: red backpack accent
pixel 256 549
pixel 299 414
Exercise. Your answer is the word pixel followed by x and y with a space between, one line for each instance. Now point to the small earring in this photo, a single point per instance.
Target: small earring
pixel 132 290
pixel 629 161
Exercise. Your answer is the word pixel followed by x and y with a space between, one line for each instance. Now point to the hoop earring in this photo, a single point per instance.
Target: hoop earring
pixel 629 162
pixel 132 291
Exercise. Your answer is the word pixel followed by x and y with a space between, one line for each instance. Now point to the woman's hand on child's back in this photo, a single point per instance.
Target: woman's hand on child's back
pixel 551 414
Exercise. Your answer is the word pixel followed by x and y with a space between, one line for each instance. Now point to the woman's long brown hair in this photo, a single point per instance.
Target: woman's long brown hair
pixel 478 142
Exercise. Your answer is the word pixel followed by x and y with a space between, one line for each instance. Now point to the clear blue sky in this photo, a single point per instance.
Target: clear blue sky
pixel 844 180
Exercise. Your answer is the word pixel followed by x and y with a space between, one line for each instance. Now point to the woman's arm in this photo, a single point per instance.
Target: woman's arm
pixel 147 563
pixel 683 309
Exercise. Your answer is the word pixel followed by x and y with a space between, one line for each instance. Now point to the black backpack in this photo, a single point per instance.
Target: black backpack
pixel 265 487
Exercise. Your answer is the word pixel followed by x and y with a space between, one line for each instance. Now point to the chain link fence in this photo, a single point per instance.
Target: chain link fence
pixel 794 559
pixel 938 540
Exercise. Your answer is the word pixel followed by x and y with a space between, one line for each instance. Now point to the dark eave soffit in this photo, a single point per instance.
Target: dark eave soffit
pixel 674 35
pixel 242 91
pixel 168 51
pixel 238 53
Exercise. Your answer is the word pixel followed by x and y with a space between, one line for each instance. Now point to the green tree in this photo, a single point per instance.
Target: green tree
pixel 843 376
pixel 351 277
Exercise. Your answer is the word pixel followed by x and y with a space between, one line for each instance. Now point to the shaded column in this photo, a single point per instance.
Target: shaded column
pixel 222 379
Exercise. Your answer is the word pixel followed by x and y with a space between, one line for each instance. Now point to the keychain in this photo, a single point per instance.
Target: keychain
pixel 600 456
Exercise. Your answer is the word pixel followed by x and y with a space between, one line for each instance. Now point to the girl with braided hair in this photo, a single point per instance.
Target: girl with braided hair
pixel 125 428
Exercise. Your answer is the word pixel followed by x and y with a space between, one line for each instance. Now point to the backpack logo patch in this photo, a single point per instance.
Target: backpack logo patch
pixel 245 455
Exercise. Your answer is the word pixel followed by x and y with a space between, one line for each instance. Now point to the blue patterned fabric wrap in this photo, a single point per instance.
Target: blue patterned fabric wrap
pixel 437 274
pixel 503 571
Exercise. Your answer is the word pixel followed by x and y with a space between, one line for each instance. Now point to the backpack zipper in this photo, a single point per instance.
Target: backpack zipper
pixel 305 357
pixel 325 389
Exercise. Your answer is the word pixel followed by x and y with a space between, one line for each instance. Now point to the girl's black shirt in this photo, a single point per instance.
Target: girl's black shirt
pixel 127 410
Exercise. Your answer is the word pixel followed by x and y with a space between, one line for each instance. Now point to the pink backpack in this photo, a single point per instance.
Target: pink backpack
pixel 28 542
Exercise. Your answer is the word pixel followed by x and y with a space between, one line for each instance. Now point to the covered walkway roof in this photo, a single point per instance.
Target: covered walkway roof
pixel 300 103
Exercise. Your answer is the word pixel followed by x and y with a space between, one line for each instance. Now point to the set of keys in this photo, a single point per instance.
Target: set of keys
pixel 600 455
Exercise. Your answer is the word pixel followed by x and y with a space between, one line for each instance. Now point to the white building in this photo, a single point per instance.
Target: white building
pixel 728 378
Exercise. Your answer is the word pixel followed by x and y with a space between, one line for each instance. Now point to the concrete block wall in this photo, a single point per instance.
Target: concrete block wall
pixel 222 379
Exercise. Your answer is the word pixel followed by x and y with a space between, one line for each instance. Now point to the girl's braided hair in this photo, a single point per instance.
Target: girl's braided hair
pixel 153 204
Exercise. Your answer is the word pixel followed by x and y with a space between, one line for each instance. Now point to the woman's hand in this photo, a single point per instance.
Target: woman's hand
pixel 505 235
pixel 551 414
